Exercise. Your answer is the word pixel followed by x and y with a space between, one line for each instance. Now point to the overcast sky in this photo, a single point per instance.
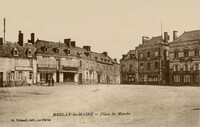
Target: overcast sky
pixel 115 26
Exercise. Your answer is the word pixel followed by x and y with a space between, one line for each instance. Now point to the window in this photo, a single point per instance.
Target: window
pixel 86 75
pixel 30 75
pixel 176 54
pixel 15 52
pixel 176 68
pixel 186 54
pixel 130 67
pixel 176 78
pixel 186 68
pixel 19 75
pixel 67 51
pixel 123 68
pixel 156 53
pixel 58 63
pixel 80 63
pixel 141 55
pixel 45 49
pixel 196 67
pixel 12 75
pixel 141 65
pixel 148 54
pixel 156 65
pixel 196 52
pixel 148 65
pixel 186 78
pixel 57 50
pixel 28 53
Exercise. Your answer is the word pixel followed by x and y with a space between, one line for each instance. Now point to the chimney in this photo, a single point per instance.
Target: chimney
pixel 166 37
pixel 1 41
pixel 73 43
pixel 67 42
pixel 124 56
pixel 88 48
pixel 105 54
pixel 144 38
pixel 32 38
pixel 115 60
pixel 20 38
pixel 174 35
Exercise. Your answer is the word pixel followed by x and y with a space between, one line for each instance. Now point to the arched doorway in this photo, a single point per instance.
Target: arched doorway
pixel 99 78
pixel 80 77
pixel 107 79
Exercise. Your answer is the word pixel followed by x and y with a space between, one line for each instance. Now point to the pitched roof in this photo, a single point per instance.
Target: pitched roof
pixel 6 49
pixel 188 36
pixel 74 51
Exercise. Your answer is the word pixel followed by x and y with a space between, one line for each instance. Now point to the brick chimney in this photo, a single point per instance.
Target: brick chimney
pixel 144 39
pixel 20 38
pixel 32 38
pixel 174 35
pixel 1 41
pixel 67 42
pixel 88 48
pixel 73 43
pixel 124 56
pixel 166 37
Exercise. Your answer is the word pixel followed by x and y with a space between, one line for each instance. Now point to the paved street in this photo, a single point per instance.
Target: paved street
pixel 100 106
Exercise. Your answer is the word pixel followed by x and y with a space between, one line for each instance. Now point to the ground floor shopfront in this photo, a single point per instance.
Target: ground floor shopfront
pixel 189 78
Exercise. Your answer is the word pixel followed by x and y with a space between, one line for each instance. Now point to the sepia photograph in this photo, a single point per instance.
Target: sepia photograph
pixel 99 63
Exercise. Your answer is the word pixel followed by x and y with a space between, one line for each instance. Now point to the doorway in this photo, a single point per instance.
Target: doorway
pixel 99 78
pixel 80 78
pixel 1 79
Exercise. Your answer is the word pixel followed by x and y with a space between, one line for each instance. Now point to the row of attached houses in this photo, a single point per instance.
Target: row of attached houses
pixel 38 62
pixel 158 61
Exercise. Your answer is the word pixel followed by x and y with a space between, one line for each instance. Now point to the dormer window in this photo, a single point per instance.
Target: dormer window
pixel 57 50
pixel 45 49
pixel 67 51
pixel 28 53
pixel 15 52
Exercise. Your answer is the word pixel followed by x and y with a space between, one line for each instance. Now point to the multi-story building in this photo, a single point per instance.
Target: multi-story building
pixel 18 63
pixel 65 62
pixel 129 68
pixel 153 63
pixel 185 59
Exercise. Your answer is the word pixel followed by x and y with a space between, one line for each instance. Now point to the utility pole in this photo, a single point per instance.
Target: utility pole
pixel 4 29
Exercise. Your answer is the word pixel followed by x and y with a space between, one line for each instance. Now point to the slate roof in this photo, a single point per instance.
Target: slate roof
pixel 74 51
pixel 7 48
pixel 128 55
pixel 188 36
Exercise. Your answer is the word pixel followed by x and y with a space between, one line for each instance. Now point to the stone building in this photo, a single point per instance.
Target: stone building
pixel 184 58
pixel 18 63
pixel 153 63
pixel 129 68
pixel 66 62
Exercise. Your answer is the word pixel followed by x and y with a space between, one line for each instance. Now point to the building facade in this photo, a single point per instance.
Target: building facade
pixel 153 60
pixel 184 58
pixel 18 63
pixel 129 68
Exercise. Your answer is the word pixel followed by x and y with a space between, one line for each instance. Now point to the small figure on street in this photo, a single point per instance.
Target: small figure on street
pixel 49 82
pixel 52 82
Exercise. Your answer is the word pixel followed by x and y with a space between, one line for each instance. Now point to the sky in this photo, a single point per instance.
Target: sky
pixel 115 26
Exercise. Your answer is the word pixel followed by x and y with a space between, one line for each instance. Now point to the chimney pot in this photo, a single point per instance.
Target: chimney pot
pixel 67 42
pixel 20 38
pixel 174 35
pixel 88 48
pixel 166 37
pixel 73 43
pixel 105 53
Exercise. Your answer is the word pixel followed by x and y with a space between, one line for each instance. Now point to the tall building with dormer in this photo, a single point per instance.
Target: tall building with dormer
pixel 185 58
